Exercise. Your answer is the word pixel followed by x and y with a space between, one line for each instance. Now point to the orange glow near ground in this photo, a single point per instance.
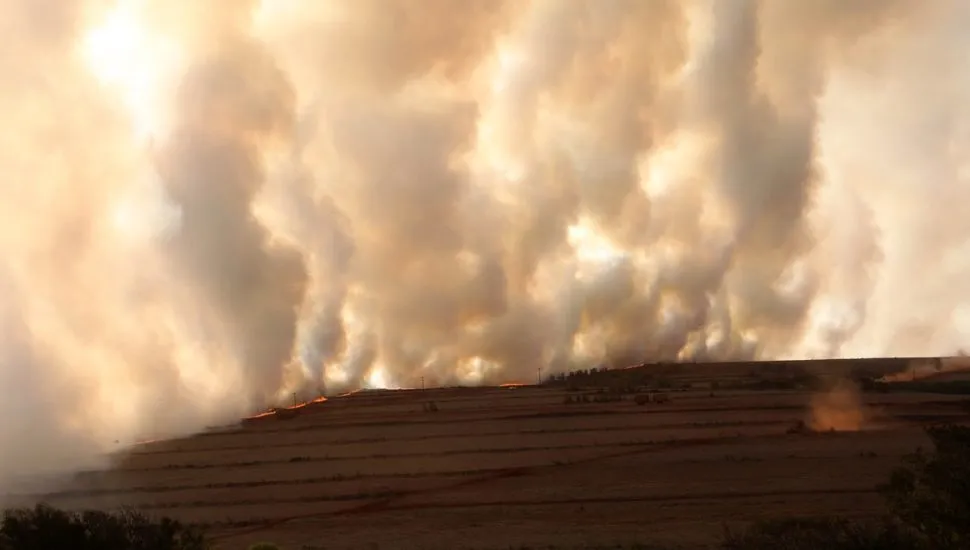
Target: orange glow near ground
pixel 260 415
pixel 271 412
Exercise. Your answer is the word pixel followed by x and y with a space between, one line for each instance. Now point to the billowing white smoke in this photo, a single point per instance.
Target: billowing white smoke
pixel 209 205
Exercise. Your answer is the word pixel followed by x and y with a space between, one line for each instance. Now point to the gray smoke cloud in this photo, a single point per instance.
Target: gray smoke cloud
pixel 208 206
pixel 228 105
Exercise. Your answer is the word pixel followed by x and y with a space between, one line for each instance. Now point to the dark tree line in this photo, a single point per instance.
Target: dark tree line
pixel 47 528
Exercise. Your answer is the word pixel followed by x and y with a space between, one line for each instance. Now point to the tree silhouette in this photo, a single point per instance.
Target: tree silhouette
pixel 44 527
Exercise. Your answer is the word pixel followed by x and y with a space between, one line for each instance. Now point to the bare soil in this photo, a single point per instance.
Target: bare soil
pixel 516 467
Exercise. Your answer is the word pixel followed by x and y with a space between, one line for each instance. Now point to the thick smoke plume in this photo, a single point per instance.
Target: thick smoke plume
pixel 209 205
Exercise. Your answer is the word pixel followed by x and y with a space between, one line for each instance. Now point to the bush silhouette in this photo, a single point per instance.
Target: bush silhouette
pixel 931 491
pixel 44 527
pixel 928 498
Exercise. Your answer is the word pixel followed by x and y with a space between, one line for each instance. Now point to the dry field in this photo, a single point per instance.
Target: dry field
pixel 503 467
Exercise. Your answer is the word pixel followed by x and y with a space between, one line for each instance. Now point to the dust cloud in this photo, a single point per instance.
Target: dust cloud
pixel 209 205
pixel 839 409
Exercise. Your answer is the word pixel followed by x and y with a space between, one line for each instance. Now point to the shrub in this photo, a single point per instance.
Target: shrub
pixel 931 491
pixel 928 498
pixel 46 527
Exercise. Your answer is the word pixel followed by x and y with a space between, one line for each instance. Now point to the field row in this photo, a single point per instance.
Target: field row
pixel 535 484
pixel 261 443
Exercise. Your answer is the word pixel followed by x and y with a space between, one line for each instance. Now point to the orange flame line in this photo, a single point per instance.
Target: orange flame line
pixel 271 412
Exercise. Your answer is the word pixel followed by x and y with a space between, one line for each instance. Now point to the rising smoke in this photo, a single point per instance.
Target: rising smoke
pixel 209 205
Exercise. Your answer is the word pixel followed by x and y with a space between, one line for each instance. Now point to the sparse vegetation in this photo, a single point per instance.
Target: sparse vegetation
pixel 646 398
pixel 596 397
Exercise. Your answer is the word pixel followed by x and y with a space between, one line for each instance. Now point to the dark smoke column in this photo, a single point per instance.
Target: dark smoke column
pixel 231 105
